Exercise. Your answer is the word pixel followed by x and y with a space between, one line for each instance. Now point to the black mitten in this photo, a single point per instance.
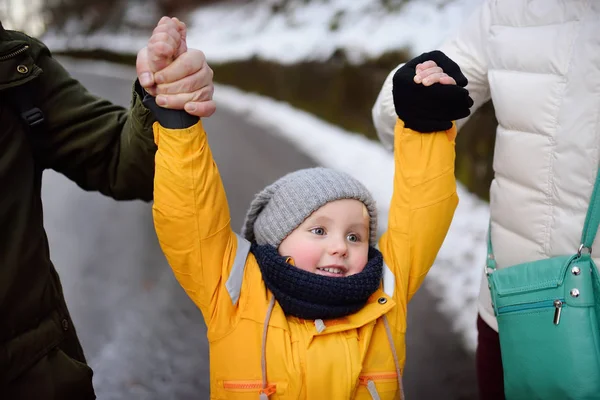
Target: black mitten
pixel 432 108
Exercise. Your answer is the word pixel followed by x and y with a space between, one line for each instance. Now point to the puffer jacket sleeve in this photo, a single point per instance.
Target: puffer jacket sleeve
pixel 468 49
pixel 422 206
pixel 191 215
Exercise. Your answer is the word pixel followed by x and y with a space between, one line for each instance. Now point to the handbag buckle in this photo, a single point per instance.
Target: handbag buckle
pixel 582 248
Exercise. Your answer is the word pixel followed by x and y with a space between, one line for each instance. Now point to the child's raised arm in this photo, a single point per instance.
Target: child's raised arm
pixel 424 197
pixel 191 214
pixel 190 211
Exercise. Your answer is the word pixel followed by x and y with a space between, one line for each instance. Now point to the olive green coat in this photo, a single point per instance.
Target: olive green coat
pixel 98 145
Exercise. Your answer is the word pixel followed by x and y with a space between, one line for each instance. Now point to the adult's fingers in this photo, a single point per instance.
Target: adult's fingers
pixel 202 109
pixel 426 72
pixel 178 101
pixel 447 80
pixel 186 64
pixel 144 71
pixel 425 65
pixel 436 77
pixel 188 84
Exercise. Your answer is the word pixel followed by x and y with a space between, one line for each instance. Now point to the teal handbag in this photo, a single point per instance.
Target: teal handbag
pixel 547 312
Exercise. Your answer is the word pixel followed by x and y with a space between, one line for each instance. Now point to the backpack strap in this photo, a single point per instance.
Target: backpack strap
pixel 22 97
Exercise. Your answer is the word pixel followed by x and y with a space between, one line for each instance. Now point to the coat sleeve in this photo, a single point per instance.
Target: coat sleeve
pixel 191 216
pixel 99 145
pixel 422 206
pixel 468 49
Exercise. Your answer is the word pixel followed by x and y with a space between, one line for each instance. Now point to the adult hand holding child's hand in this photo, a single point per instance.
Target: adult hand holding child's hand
pixel 429 93
pixel 178 77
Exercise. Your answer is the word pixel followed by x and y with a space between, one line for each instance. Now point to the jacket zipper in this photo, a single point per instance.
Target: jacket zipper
pixel 364 379
pixel 242 385
pixel 557 304
pixel 248 385
pixel 14 53
pixel 369 382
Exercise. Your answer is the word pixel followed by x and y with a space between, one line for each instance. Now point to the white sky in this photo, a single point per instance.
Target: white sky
pixel 233 32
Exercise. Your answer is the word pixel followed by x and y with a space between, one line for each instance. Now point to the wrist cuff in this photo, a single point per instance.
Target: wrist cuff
pixel 171 119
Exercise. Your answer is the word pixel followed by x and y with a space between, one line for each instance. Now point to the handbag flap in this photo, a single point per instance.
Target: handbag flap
pixel 527 277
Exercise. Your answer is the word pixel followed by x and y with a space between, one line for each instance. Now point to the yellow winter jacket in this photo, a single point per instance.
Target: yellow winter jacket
pixel 254 347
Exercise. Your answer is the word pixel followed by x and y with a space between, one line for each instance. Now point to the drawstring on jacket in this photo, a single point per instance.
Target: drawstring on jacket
pixel 266 390
pixel 370 384
pixel 396 362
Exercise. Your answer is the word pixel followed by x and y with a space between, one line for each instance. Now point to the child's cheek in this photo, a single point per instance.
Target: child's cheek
pixel 306 256
pixel 360 261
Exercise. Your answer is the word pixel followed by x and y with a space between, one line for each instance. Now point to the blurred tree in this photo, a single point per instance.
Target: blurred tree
pixel 178 7
pixel 95 15
pixel 90 15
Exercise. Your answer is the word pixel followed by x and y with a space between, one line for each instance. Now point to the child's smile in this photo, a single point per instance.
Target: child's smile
pixel 332 270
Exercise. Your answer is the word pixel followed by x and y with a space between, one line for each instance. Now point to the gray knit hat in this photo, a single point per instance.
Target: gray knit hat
pixel 282 206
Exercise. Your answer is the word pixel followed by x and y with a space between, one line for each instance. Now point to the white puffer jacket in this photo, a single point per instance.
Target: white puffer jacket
pixel 539 61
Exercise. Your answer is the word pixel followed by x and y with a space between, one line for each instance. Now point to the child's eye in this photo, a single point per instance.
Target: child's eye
pixel 353 237
pixel 318 231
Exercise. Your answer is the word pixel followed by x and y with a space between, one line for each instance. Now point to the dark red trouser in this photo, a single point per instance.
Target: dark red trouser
pixel 489 363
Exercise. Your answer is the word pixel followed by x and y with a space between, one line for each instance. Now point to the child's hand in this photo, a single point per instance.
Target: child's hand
pixel 168 41
pixel 430 107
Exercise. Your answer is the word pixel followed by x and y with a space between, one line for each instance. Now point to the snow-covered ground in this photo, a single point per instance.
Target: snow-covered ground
pixel 363 28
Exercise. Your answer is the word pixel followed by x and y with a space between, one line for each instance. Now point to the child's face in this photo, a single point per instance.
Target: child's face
pixel 332 241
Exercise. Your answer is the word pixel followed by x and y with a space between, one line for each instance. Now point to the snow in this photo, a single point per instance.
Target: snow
pixel 365 29
pixel 313 31
pixel 301 31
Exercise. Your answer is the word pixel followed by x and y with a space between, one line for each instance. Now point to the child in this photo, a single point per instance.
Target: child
pixel 301 305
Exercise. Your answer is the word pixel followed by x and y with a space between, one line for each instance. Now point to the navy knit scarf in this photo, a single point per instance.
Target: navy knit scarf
pixel 307 295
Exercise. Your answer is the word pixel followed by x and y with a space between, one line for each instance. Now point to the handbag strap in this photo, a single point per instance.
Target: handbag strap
pixel 592 221
pixel 490 262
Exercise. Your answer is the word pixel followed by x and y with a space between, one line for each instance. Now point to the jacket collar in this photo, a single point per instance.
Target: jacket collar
pixel 378 304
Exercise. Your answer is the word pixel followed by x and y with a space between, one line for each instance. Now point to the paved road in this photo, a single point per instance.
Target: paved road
pixel 142 335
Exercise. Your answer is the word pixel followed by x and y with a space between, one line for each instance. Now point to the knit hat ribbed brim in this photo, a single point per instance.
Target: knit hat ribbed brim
pixel 282 206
